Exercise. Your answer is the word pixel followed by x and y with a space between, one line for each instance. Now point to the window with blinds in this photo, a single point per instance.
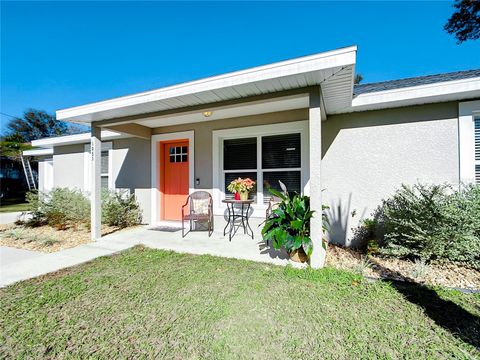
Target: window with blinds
pixel 477 150
pixel 279 159
pixel 104 169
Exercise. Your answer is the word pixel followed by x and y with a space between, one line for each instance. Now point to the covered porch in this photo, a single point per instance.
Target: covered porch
pixel 285 101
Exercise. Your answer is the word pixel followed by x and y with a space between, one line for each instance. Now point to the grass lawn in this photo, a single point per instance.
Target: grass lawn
pixel 151 303
pixel 12 205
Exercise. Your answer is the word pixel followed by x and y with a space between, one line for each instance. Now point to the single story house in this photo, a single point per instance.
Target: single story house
pixel 302 121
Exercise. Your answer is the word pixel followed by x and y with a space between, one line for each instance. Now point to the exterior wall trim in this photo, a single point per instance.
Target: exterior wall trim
pixel 467 112
pixel 155 168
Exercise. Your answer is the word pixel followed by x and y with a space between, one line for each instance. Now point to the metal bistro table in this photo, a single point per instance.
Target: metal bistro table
pixel 238 212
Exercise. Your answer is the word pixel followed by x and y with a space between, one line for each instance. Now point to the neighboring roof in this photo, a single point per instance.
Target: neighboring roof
pixel 414 81
pixel 333 69
pixel 38 152
pixel 73 139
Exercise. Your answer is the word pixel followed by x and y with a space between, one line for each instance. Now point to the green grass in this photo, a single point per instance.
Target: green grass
pixel 12 205
pixel 151 303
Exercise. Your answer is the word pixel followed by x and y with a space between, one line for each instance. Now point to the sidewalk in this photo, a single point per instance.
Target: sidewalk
pixel 12 271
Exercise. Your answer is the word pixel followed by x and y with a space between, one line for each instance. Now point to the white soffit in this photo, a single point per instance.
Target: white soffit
pixel 243 109
pixel 416 95
pixel 333 70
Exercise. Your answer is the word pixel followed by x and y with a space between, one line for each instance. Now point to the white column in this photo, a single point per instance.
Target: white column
pixel 317 259
pixel 95 198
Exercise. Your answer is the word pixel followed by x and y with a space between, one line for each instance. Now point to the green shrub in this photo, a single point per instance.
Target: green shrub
pixel 289 224
pixel 60 207
pixel 432 223
pixel 64 207
pixel 120 210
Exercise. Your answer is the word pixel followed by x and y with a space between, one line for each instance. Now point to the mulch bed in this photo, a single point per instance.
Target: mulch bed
pixel 46 238
pixel 449 275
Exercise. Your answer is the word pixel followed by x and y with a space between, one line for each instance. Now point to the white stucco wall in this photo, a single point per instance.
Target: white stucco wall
pixel 130 168
pixel 366 156
pixel 68 165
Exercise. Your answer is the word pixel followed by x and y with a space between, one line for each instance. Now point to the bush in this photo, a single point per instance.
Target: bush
pixel 60 207
pixel 432 223
pixel 64 207
pixel 120 210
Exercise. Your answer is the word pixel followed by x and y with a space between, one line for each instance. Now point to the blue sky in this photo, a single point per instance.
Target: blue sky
pixel 61 54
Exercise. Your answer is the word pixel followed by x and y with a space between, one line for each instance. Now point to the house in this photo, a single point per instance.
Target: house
pixel 301 121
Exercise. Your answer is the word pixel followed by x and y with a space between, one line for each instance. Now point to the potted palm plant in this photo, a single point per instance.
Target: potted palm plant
pixel 288 226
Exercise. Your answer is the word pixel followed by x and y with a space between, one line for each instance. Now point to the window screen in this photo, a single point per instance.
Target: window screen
pixel 240 154
pixel 281 151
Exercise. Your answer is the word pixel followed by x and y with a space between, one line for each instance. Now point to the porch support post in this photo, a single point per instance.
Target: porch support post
pixel 95 198
pixel 317 259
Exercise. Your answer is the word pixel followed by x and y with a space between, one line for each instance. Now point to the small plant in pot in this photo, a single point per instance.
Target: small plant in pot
pixel 288 226
pixel 241 188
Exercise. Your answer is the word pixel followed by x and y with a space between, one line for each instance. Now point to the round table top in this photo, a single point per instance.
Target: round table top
pixel 233 201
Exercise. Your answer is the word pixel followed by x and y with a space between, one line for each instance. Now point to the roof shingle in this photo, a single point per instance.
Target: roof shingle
pixel 414 81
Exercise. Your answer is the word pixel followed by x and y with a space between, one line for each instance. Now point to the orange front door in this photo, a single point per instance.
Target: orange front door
pixel 175 178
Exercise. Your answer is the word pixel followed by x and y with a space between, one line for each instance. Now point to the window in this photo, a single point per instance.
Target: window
pixel 265 159
pixel 477 150
pixel 178 154
pixel 104 169
pixel 239 160
pixel 281 161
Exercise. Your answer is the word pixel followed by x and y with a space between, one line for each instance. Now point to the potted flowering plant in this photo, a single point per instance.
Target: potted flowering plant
pixel 241 188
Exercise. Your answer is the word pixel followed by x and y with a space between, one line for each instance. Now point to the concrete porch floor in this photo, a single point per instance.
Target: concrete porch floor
pixel 241 246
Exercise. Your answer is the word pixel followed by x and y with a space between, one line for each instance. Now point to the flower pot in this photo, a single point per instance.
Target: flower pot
pixel 237 196
pixel 298 255
pixel 243 195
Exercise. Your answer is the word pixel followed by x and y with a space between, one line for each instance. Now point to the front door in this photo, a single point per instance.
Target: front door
pixel 175 178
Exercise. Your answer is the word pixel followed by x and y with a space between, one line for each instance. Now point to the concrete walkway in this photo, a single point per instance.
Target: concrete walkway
pixel 9 256
pixel 241 247
pixel 9 217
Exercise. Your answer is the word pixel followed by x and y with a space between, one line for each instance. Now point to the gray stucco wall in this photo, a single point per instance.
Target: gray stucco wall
pixel 132 170
pixel 68 166
pixel 367 155
pixel 203 137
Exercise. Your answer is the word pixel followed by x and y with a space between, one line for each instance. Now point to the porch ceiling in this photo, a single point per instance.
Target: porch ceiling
pixel 333 71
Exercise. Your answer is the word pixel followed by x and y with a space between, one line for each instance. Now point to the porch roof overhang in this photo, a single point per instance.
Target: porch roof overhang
pixel 333 71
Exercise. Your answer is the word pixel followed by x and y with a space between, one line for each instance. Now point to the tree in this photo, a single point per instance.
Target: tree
pixel 36 124
pixel 358 79
pixel 12 146
pixel 465 21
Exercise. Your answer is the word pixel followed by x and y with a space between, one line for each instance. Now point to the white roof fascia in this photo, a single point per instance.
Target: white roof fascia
pixel 38 152
pixel 321 61
pixel 73 139
pixel 414 95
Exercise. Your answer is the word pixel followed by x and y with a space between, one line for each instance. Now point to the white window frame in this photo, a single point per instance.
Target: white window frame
pixel 258 132
pixel 87 179
pixel 467 113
